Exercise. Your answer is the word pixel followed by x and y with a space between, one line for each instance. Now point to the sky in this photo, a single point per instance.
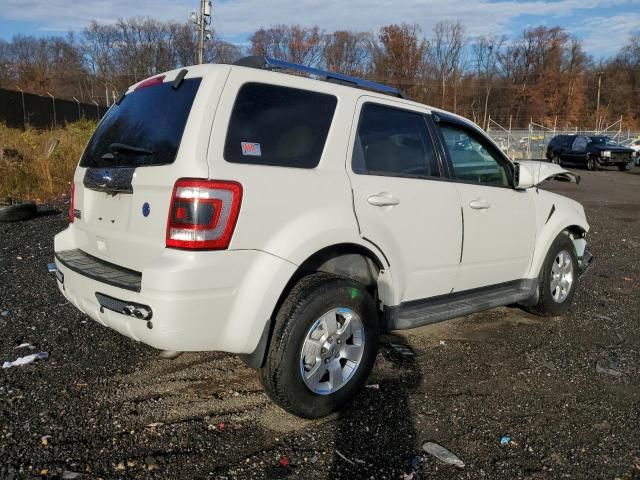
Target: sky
pixel 603 25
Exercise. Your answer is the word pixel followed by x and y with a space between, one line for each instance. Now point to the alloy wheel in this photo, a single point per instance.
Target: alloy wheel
pixel 332 351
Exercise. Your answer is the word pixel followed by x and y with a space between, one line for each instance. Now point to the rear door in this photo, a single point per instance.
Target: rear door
pixel 403 202
pixel 125 179
pixel 499 222
pixel 577 152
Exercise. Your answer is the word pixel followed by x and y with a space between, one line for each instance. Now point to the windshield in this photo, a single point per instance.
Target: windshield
pixel 144 129
pixel 604 141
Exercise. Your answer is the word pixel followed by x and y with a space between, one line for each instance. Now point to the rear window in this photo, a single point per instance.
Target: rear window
pixel 278 126
pixel 144 129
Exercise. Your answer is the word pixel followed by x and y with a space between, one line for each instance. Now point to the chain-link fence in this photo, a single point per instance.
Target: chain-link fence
pixel 20 110
pixel 531 143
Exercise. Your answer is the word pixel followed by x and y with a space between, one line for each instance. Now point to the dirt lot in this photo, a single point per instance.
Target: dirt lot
pixel 105 407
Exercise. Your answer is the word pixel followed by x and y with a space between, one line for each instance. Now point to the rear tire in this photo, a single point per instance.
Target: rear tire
pixel 305 372
pixel 17 211
pixel 558 278
pixel 556 159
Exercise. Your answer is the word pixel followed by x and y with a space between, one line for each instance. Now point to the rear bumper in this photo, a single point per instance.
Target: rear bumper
pixel 199 301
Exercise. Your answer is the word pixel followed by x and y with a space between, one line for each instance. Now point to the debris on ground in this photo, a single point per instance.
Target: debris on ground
pixel 284 462
pixel 507 441
pixel 374 386
pixel 24 345
pixel 44 441
pixel 442 454
pixel 68 475
pixel 608 367
pixel 52 267
pixel 403 350
pixel 349 461
pixel 26 360
pixel 5 312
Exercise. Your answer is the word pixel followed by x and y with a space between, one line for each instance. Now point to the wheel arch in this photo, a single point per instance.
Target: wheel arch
pixel 575 230
pixel 348 260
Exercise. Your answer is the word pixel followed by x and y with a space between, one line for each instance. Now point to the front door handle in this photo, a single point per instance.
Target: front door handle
pixel 479 204
pixel 383 200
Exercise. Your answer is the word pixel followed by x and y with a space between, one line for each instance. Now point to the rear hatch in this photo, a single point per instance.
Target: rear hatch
pixel 152 136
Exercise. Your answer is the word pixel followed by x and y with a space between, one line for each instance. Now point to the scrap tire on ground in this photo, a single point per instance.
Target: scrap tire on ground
pixel 17 211
pixel 312 299
pixel 548 306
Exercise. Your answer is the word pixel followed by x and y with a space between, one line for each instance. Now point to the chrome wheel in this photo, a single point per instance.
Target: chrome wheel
pixel 332 351
pixel 561 276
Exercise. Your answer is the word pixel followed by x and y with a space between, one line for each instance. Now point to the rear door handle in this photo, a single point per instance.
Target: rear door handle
pixel 479 204
pixel 383 200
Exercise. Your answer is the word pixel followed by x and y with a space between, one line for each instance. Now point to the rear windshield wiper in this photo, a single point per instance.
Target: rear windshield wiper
pixel 116 148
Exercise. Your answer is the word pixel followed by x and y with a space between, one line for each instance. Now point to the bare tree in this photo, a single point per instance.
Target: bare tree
pixel 399 57
pixel 291 43
pixel 347 52
pixel 487 55
pixel 447 48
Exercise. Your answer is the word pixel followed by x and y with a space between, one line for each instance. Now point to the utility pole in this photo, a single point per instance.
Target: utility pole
pixel 203 22
pixel 598 101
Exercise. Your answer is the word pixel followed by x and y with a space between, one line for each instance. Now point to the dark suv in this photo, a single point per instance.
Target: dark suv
pixel 592 152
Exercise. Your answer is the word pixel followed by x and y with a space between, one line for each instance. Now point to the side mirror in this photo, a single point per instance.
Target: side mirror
pixel 523 178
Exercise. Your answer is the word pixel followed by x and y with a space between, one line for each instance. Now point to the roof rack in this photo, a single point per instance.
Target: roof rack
pixel 273 64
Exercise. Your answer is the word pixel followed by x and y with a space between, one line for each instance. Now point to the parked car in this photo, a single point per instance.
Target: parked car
pixel 633 144
pixel 591 152
pixel 291 220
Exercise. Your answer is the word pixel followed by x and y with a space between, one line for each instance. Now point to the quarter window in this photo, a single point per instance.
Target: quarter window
pixel 472 158
pixel 278 126
pixel 393 142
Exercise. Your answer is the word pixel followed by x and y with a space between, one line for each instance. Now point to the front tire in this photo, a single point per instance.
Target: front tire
pixel 557 280
pixel 324 344
pixel 593 164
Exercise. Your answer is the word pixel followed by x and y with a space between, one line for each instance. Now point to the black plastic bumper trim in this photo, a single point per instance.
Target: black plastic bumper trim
pixel 100 270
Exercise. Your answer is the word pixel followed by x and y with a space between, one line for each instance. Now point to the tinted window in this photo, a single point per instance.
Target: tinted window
pixel 279 126
pixel 580 144
pixel 151 120
pixel 472 158
pixel 393 142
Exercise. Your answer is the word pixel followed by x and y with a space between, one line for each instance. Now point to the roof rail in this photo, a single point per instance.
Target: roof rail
pixel 273 64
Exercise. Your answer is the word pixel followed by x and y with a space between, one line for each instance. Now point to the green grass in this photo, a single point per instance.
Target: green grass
pixel 28 173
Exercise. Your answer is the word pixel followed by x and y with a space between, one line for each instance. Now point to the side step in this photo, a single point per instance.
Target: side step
pixel 437 309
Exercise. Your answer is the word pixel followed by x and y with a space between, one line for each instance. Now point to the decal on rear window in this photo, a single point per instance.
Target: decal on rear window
pixel 249 148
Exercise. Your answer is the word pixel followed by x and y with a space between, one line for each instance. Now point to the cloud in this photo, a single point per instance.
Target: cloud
pixel 236 19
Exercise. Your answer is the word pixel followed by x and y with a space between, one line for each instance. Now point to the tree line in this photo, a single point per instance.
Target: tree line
pixel 543 75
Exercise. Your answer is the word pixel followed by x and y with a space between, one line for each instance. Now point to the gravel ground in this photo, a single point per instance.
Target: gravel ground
pixel 103 406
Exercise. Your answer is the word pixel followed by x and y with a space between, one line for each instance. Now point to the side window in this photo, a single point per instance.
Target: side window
pixel 580 144
pixel 278 126
pixel 472 158
pixel 393 142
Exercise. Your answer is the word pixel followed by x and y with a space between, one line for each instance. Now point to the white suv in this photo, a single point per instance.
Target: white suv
pixel 291 220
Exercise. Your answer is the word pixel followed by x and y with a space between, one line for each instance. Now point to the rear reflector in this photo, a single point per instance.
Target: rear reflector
pixel 203 214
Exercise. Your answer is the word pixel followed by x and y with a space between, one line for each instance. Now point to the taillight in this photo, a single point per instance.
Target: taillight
pixel 203 214
pixel 72 203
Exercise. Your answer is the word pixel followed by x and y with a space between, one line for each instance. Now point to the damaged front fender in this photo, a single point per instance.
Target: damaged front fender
pixel 541 171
